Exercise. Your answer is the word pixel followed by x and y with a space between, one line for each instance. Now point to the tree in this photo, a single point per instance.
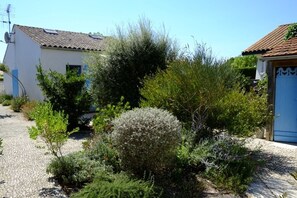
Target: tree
pixel 241 62
pixel 66 93
pixel 129 57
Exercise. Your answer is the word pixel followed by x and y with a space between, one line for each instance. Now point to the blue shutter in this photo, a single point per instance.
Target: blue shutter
pixel 85 71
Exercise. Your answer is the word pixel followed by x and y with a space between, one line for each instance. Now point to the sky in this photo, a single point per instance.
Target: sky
pixel 226 26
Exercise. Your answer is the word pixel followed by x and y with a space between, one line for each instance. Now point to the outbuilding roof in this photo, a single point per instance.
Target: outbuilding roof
pixel 274 44
pixel 49 38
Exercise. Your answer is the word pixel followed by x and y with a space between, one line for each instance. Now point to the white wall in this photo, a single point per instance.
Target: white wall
pixel 25 54
pixel 261 69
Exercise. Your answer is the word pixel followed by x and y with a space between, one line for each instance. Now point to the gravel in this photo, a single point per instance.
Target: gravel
pixel 23 163
pixel 274 179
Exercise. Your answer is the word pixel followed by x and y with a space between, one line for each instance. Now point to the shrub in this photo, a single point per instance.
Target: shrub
pixel 190 88
pixel 51 126
pixel 102 120
pixel 6 102
pixel 146 139
pixel 129 57
pixel 100 148
pixel 119 185
pixel 28 109
pixel 241 113
pixel 228 163
pixel 74 170
pixel 18 102
pixel 4 98
pixel 66 93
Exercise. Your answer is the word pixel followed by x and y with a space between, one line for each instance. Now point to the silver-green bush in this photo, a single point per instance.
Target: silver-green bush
pixel 146 139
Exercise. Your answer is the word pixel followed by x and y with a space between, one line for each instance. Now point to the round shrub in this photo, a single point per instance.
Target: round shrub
pixel 146 139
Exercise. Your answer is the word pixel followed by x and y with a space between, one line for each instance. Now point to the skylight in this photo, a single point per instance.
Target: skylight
pixel 49 31
pixel 96 36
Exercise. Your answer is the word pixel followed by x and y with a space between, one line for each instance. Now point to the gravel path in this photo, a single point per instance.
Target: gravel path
pixel 23 163
pixel 274 179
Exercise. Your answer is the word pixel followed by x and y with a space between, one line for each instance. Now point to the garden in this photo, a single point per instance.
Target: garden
pixel 168 120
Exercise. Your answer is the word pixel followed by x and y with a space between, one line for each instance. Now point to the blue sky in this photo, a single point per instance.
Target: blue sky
pixel 227 26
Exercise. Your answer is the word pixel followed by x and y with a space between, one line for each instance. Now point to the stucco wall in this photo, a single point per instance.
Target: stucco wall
pixel 25 54
pixel 261 69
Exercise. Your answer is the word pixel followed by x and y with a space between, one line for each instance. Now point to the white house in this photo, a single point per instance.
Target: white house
pixel 277 57
pixel 54 49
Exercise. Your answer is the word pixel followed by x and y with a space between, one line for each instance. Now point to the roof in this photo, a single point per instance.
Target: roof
pixel 274 44
pixel 63 39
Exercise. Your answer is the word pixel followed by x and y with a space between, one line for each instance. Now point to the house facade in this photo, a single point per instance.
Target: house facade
pixel 277 58
pixel 53 49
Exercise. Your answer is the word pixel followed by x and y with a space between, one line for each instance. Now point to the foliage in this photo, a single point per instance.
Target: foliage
pixel 51 126
pixel 228 163
pixel 119 185
pixel 146 139
pixel 28 109
pixel 241 62
pixel 74 170
pixel 241 113
pixel 18 102
pixel 66 93
pixel 190 88
pixel 5 97
pixel 102 149
pixel 129 56
pixel 1 146
pixel 102 120
pixel 6 102
pixel 4 68
pixel 292 31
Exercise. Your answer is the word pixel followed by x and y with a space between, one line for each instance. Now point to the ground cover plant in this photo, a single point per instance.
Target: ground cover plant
pixel 5 99
pixel 28 108
pixel 18 102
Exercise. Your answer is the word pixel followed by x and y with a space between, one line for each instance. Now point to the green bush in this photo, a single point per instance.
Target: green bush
pixel 241 113
pixel 130 56
pixel 18 102
pixel 102 120
pixel 74 170
pixel 101 149
pixel 51 126
pixel 28 108
pixel 228 163
pixel 6 102
pixel 119 185
pixel 6 99
pixel 146 139
pixel 190 88
pixel 66 93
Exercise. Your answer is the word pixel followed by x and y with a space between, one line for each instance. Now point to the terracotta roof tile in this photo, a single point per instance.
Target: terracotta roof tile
pixel 268 42
pixel 288 47
pixel 63 39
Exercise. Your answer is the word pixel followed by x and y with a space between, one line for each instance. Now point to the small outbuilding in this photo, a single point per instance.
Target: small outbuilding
pixel 277 58
pixel 55 50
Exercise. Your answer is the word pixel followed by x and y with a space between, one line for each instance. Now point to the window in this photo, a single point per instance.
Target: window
pixel 76 68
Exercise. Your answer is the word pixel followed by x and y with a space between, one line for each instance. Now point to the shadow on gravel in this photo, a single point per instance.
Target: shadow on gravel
pixel 6 116
pixel 275 163
pixel 2 182
pixel 81 135
pixel 51 192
